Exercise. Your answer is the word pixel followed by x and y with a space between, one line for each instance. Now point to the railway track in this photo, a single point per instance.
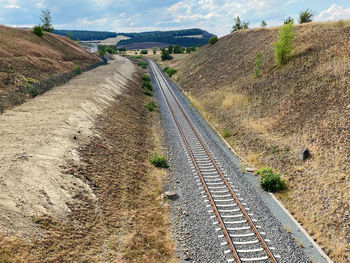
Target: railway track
pixel 236 228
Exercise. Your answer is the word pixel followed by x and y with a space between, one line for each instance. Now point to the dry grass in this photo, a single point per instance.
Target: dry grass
pixel 23 54
pixel 234 100
pixel 302 104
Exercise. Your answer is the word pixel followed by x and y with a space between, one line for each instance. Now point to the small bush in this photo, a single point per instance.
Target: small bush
pixel 305 16
pixel 145 77
pixel 38 30
pixel 151 106
pixel 143 64
pixel 33 92
pixel 144 52
pixel 270 181
pixel 171 71
pixel 213 40
pixel 148 92
pixel 258 64
pixel 165 55
pixel 147 85
pixel 158 160
pixel 289 20
pixel 77 69
pixel 284 45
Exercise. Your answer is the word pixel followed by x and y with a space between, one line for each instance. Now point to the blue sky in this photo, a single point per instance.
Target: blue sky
pixel 215 16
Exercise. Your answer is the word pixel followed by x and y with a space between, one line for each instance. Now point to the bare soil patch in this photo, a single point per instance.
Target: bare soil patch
pixel 95 158
pixel 272 118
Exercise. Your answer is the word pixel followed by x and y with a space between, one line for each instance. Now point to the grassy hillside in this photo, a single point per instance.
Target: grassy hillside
pixel 24 55
pixel 269 120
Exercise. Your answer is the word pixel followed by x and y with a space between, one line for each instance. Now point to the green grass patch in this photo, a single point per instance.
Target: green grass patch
pixel 158 160
pixel 145 77
pixel 170 71
pixel 226 133
pixel 143 64
pixel 148 92
pixel 270 181
pixel 151 106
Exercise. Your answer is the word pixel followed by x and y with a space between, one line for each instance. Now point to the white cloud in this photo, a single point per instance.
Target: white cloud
pixel 335 12
pixel 11 4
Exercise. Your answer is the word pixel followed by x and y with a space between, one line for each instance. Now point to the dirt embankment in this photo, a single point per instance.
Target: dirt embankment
pixel 76 185
pixel 270 119
pixel 25 56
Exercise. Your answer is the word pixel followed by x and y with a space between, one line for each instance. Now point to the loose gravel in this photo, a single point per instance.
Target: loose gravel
pixel 194 232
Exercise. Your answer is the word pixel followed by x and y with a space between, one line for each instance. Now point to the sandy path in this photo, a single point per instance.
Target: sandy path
pixel 38 137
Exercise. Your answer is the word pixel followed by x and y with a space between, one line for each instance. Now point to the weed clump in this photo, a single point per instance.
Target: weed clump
pixel 170 71
pixel 147 85
pixel 258 64
pixel 38 30
pixel 143 64
pixel 270 181
pixel 33 92
pixel 151 106
pixel 226 133
pixel 77 69
pixel 148 92
pixel 145 77
pixel 158 160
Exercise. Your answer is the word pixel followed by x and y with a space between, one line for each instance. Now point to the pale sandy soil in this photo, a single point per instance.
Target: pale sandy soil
pixel 38 137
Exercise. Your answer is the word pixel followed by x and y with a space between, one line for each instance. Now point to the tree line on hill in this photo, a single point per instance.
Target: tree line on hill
pixel 176 37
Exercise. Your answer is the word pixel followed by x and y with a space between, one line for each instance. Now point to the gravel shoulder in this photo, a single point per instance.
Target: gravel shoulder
pixel 194 230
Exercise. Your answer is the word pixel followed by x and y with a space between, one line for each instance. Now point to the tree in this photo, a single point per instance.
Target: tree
pixel 238 24
pixel 289 20
pixel 69 35
pixel 165 55
pixel 38 30
pixel 263 23
pixel 305 16
pixel 170 49
pixel 178 49
pixel 284 45
pixel 154 51
pixel 46 20
pixel 213 40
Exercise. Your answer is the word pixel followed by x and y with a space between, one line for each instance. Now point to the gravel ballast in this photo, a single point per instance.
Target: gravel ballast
pixel 194 231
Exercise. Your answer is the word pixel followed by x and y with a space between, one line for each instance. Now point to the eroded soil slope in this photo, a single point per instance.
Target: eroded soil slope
pixel 270 119
pixel 76 185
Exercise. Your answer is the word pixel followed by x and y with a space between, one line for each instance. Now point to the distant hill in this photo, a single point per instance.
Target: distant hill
pixel 185 38
pixel 86 35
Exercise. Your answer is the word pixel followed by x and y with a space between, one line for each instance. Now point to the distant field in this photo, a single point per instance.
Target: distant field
pixel 113 40
pixel 144 45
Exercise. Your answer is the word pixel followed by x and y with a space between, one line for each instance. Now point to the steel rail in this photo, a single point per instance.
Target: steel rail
pixel 250 222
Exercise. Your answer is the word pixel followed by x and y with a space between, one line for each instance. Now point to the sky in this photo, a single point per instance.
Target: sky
pixel 215 16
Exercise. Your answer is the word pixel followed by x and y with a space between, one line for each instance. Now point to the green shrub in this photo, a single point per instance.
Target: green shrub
pixel 305 16
pixel 171 71
pixel 38 30
pixel 158 160
pixel 284 45
pixel 77 69
pixel 150 106
pixel 147 85
pixel 289 20
pixel 144 52
pixel 145 77
pixel 226 133
pixel 258 64
pixel 148 92
pixel 143 64
pixel 270 181
pixel 213 40
pixel 33 92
